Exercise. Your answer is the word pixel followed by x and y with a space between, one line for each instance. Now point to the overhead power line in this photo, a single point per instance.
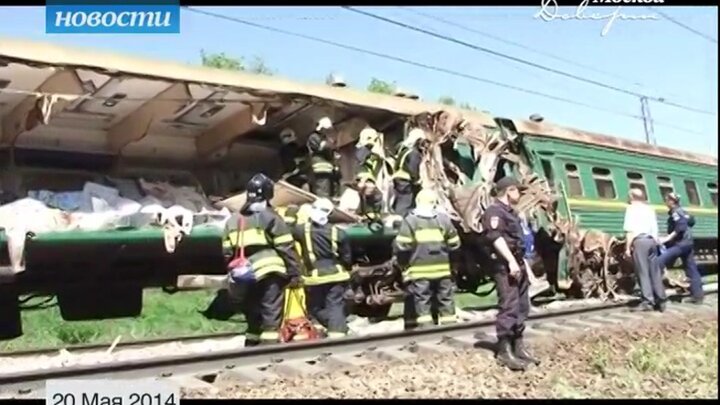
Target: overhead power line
pixel 519 45
pixel 678 23
pixel 430 67
pixel 525 62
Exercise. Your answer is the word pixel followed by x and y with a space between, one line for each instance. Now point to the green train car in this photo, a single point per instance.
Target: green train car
pixel 591 175
pixel 217 128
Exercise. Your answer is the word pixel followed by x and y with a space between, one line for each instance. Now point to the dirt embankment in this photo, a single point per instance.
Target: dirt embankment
pixel 672 358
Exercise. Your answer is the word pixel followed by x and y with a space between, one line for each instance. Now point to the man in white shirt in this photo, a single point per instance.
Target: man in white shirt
pixel 641 230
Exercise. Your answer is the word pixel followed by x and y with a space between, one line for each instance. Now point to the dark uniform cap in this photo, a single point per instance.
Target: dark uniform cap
pixel 507 182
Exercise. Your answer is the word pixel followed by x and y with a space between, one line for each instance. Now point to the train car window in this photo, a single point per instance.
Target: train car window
pixel 713 189
pixel 665 185
pixel 573 175
pixel 635 180
pixel 693 197
pixel 548 170
pixel 604 183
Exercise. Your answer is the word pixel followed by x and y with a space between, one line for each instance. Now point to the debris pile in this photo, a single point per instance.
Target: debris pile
pixel 595 260
pixel 122 204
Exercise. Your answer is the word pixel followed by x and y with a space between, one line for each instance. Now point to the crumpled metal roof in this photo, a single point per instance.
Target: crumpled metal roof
pixel 137 107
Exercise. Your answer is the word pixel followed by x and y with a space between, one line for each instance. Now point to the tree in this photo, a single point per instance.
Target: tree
pixel 380 86
pixel 446 100
pixel 258 66
pixel 222 61
pixel 468 106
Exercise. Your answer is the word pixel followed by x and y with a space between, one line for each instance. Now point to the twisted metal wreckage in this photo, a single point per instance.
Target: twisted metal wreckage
pixel 594 260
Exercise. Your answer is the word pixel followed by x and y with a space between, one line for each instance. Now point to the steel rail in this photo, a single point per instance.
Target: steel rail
pixel 77 349
pixel 197 364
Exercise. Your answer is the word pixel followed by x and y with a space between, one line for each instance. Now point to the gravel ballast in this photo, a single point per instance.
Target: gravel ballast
pixel 671 357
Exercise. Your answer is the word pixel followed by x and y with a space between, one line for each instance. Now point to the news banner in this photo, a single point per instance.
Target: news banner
pixel 111 392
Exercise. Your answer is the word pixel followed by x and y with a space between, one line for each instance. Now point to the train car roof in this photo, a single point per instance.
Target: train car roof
pixel 160 100
pixel 543 129
pixel 195 110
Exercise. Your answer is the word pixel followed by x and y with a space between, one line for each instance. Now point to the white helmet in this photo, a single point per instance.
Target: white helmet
pixel 324 123
pixel 323 204
pixel 414 135
pixel 368 136
pixel 321 210
pixel 287 136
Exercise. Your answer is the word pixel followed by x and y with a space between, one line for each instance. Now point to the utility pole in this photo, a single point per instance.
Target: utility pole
pixel 647 121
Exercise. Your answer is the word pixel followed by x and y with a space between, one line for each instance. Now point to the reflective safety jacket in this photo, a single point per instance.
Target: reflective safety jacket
pixel 423 247
pixel 325 252
pixel 322 156
pixel 370 166
pixel 407 166
pixel 268 243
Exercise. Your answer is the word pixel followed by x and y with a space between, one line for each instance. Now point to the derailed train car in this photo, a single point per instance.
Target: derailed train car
pixel 82 125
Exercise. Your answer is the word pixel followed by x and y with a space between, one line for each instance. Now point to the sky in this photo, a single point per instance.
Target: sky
pixel 654 57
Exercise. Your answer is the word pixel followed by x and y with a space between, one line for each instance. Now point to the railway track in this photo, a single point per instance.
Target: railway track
pixel 210 370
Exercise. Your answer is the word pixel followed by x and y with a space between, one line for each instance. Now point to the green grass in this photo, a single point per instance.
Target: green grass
pixel 163 315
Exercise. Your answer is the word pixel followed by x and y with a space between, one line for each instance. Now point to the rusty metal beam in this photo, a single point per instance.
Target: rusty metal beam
pixel 136 125
pixel 229 129
pixel 27 115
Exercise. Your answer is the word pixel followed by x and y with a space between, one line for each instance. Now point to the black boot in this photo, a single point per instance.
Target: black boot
pixel 505 356
pixel 521 353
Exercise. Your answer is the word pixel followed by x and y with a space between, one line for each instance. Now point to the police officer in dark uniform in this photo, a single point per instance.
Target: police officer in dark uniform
pixel 424 248
pixel 292 158
pixel 406 177
pixel 679 244
pixel 503 234
pixel 327 257
pixel 267 245
pixel 324 175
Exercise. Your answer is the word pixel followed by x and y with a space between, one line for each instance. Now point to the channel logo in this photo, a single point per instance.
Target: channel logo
pixel 112 17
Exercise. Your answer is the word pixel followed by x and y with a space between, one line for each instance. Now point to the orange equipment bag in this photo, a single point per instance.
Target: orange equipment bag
pixel 296 326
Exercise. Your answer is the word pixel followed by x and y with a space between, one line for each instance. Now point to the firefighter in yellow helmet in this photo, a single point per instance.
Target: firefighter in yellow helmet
pixel 262 262
pixel 324 173
pixel 406 176
pixel 327 258
pixel 423 246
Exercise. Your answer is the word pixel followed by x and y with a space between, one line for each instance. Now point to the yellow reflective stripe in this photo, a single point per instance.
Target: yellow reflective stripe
pixel 252 336
pixel 447 319
pixel 249 237
pixel 336 334
pixel 287 238
pixel 403 239
pixel 315 279
pixel 268 335
pixel 425 268
pixel 424 319
pixel 454 240
pixel 308 244
pixel 322 167
pixel 302 336
pixel 427 271
pixel 429 235
pixel 334 239
pixel 365 176
pixel 267 265
pixel 402 174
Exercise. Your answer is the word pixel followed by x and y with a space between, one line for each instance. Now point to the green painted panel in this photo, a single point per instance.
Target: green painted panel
pixel 121 235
